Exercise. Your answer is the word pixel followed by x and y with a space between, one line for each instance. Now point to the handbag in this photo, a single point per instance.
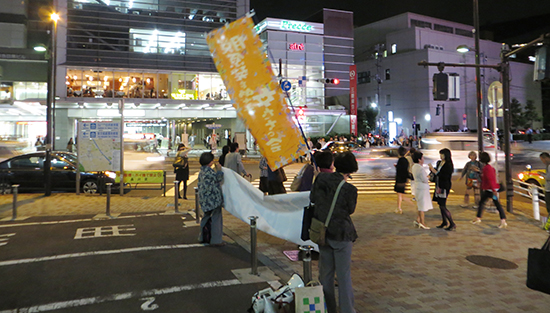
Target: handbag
pixel 306 221
pixel 310 299
pixel 180 162
pixel 318 229
pixel 538 271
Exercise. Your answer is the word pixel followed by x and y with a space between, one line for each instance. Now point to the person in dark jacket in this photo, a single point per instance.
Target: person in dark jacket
pixel 401 176
pixel 335 256
pixel 443 173
pixel 182 172
pixel 275 181
pixel 225 151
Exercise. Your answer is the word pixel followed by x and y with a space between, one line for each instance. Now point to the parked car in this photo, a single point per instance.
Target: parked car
pixel 27 171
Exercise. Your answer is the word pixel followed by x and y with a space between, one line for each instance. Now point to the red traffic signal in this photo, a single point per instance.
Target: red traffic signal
pixel 332 81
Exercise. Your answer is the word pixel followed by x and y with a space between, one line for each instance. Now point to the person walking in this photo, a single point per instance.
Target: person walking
pixel 401 176
pixel 210 200
pixel 471 172
pixel 181 169
pixel 422 189
pixel 443 173
pixel 234 161
pixel 335 256
pixel 489 190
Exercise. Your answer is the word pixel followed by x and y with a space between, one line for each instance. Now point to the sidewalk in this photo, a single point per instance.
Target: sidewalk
pixel 395 267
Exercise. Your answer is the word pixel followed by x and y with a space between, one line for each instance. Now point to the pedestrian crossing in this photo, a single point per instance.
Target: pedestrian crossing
pixel 364 183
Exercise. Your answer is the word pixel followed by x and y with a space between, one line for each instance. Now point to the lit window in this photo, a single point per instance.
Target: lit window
pixel 393 48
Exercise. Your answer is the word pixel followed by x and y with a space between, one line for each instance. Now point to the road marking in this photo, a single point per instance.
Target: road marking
pixel 102 252
pixel 4 238
pixel 123 296
pixel 74 221
pixel 192 179
pixel 148 305
pixel 104 231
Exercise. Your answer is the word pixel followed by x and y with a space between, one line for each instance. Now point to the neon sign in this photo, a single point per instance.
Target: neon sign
pixel 296 46
pixel 296 26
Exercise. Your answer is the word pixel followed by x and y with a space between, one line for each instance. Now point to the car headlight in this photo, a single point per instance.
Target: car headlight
pixel 110 174
pixel 520 175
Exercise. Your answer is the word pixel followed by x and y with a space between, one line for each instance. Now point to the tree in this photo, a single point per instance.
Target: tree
pixel 531 115
pixel 516 112
pixel 366 119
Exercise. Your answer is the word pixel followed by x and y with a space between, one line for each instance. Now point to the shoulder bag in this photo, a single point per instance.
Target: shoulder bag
pixel 538 271
pixel 318 229
pixel 180 161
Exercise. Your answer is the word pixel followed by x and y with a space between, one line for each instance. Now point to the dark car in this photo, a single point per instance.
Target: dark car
pixel 27 171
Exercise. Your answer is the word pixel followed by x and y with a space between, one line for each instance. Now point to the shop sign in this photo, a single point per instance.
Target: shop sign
pixel 240 59
pixel 184 94
pixel 296 26
pixel 296 46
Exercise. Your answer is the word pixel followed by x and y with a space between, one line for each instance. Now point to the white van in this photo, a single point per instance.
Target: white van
pixel 460 145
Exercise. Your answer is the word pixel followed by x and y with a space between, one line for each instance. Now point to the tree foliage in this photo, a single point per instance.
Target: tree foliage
pixel 366 120
pixel 523 117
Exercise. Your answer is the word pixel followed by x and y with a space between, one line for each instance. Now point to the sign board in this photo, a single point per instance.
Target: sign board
pixel 99 146
pixel 240 58
pixel 289 25
pixel 142 177
pixel 286 85
pixel 353 99
pixel 213 126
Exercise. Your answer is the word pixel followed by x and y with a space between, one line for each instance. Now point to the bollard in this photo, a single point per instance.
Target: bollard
pixel 108 209
pixel 536 209
pixel 253 239
pixel 14 190
pixel 197 215
pixel 176 194
pixel 306 250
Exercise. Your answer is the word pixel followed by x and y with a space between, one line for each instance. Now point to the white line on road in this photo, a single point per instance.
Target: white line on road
pixel 103 252
pixel 74 221
pixel 122 296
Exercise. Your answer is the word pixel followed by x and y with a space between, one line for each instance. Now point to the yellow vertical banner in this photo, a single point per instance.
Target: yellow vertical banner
pixel 246 71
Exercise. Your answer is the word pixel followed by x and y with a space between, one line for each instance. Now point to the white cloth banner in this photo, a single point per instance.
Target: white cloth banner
pixel 278 215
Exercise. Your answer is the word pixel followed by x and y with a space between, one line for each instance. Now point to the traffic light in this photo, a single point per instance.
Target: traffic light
pixel 441 86
pixel 331 81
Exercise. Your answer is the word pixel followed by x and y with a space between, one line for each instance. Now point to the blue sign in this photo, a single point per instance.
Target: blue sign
pixel 286 85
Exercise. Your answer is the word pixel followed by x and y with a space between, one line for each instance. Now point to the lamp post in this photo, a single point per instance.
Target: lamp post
pixel 50 106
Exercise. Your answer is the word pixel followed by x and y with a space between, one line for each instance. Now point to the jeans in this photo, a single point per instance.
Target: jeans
pixel 335 257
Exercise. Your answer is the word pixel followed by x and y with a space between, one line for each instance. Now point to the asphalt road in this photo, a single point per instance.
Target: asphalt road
pixel 131 264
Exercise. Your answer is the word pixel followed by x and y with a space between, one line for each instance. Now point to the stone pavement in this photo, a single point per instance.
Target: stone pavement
pixel 395 267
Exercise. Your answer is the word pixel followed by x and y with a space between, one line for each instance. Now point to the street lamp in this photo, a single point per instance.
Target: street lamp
pixel 50 105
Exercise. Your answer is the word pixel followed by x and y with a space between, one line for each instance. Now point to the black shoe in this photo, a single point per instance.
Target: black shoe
pixel 451 228
pixel 442 225
pixel 185 198
pixel 180 197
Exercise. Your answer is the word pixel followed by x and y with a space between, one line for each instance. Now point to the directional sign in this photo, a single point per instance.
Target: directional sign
pixel 286 85
pixel 213 126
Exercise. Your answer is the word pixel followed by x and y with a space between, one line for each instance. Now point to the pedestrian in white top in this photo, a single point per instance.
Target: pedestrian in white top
pixel 422 189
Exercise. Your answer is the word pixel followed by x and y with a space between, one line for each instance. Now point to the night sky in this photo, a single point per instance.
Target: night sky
pixel 509 19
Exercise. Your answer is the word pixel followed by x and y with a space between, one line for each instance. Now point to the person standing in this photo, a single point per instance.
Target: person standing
pixel 471 171
pixel 275 180
pixel 213 143
pixel 529 133
pixel 409 158
pixel 234 161
pixel 335 256
pixel 545 158
pixel 225 151
pixel 489 189
pixel 401 176
pixel 182 172
pixel 211 199
pixel 443 173
pixel 263 175
pixel 70 145
pixel 422 189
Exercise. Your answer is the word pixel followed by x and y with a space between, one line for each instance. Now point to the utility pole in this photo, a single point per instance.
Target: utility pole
pixel 378 83
pixel 479 109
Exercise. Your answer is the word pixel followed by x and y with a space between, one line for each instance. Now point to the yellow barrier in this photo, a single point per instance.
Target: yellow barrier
pixel 142 177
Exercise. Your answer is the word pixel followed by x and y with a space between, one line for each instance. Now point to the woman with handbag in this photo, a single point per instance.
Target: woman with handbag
pixel 443 173
pixel 335 255
pixel 181 168
pixel 471 173
pixel 489 189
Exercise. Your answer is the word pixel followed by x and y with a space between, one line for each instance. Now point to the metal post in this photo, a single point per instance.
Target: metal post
pixel 306 250
pixel 253 240
pixel 121 110
pixel 536 210
pixel 176 194
pixel 14 215
pixel 505 72
pixel 478 80
pixel 197 206
pixel 108 209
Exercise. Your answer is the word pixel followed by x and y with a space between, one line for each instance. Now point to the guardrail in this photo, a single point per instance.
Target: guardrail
pixel 531 191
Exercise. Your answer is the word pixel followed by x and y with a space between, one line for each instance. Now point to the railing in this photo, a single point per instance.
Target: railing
pixel 531 191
